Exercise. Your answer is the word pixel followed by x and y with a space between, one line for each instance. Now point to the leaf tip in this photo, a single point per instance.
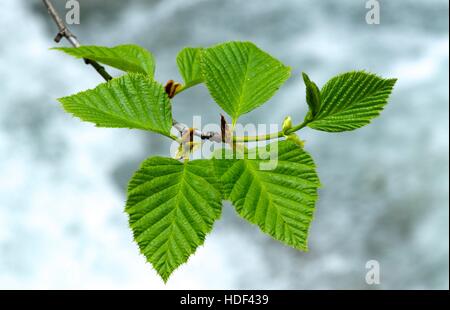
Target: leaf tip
pixel 61 49
pixel 392 81
pixel 164 276
pixel 62 100
pixel 305 78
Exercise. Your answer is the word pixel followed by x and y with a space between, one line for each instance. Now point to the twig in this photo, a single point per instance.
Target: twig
pixel 210 135
pixel 64 32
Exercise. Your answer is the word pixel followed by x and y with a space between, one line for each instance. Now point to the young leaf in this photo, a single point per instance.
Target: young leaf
pixel 188 61
pixel 130 101
pixel 280 201
pixel 287 124
pixel 312 96
pixel 241 77
pixel 351 100
pixel 128 58
pixel 171 207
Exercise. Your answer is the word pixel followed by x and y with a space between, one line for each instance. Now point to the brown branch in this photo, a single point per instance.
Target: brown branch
pixel 223 128
pixel 64 32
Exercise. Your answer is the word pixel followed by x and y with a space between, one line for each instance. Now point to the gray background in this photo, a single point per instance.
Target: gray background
pixel 385 193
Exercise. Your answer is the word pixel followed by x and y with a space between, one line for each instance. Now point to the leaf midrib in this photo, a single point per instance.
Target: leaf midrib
pixel 348 105
pixel 266 192
pixel 243 87
pixel 176 209
pixel 125 120
pixel 135 65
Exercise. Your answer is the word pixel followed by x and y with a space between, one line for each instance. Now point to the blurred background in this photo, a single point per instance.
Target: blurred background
pixel 385 194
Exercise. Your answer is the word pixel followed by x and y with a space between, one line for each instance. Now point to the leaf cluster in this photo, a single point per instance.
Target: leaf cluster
pixel 172 204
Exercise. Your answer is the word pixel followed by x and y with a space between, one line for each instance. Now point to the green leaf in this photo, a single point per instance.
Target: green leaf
pixel 171 207
pixel 130 101
pixel 280 201
pixel 241 77
pixel 351 100
pixel 188 61
pixel 312 96
pixel 128 58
